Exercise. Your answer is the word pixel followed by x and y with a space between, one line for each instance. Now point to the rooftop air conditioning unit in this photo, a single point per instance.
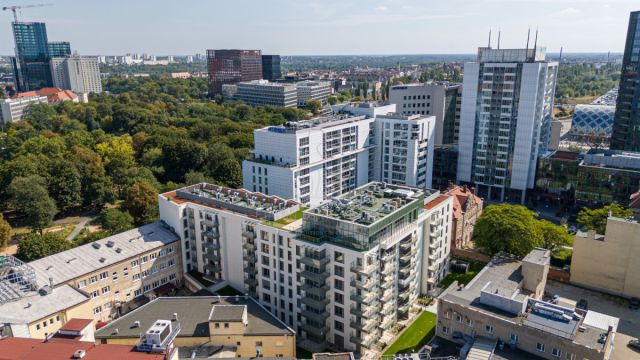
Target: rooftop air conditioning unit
pixel 79 354
pixel 136 324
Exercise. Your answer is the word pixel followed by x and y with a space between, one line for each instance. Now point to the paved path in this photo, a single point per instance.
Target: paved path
pixel 79 226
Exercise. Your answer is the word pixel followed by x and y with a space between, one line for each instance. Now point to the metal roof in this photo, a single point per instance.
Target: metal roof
pixel 40 305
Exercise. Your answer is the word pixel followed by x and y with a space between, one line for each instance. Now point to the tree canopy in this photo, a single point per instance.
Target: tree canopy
pixel 516 230
pixel 35 246
pixel 596 219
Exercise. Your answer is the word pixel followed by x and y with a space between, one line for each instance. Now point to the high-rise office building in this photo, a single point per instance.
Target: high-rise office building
pixel 271 67
pixel 232 67
pixel 33 53
pixel 76 73
pixel 441 100
pixel 626 125
pixel 507 102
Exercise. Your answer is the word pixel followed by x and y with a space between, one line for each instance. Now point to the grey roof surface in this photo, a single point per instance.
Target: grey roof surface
pixel 35 307
pixel 227 313
pixel 79 261
pixel 333 356
pixel 193 315
pixel 564 329
pixel 538 256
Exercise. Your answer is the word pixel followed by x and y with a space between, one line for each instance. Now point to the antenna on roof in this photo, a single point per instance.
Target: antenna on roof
pixel 560 60
pixel 528 36
pixel 499 32
pixel 489 45
pixel 535 43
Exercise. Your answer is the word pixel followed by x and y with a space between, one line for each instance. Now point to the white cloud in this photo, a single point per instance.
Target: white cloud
pixel 381 8
pixel 569 11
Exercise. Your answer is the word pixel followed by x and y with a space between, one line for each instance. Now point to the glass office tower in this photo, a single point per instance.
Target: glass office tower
pixel 271 67
pixel 59 49
pixel 626 125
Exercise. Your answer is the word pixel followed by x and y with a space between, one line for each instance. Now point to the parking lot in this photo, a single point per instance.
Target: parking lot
pixel 629 326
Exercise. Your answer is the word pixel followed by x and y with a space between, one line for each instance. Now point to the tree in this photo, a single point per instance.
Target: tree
pixel 510 228
pixel 332 100
pixel 28 196
pixel 64 184
pixel 314 106
pixel 115 221
pixel 553 236
pixel 596 219
pixel 36 246
pixel 5 233
pixel 141 201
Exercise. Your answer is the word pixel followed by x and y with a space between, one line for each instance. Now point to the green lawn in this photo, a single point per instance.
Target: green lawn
pixel 415 336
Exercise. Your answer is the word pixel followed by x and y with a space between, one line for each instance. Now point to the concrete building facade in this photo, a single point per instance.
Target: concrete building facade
pixel 264 93
pixel 80 74
pixel 505 120
pixel 16 109
pixel 312 90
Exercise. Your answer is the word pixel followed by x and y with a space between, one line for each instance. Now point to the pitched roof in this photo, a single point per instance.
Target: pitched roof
pixel 462 199
pixel 53 94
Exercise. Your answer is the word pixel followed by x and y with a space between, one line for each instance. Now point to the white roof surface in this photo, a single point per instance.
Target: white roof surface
pixel 38 306
pixel 600 321
pixel 85 259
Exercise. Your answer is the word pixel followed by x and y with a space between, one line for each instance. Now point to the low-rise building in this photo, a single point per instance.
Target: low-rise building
pixel 504 302
pixel 237 323
pixel 608 262
pixel 265 93
pixel 16 109
pixel 368 109
pixel 312 90
pixel 607 176
pixel 467 208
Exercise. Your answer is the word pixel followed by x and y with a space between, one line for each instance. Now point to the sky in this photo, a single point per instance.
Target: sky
pixel 324 27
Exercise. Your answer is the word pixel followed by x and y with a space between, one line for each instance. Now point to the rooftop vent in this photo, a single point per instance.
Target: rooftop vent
pixel 79 354
pixel 110 243
pixel 103 259
pixel 136 324
pixel 175 316
pixel 118 250
pixel 96 245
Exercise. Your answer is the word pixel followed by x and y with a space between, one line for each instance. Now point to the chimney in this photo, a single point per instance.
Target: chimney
pixel 464 188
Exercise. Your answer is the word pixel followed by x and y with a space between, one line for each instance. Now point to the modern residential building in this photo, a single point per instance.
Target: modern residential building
pixel 505 302
pixel 467 208
pixel 505 120
pixel 370 109
pixel 339 274
pixel 237 325
pixel 626 126
pixel 265 93
pixel 100 281
pixel 311 161
pixel 232 67
pixel 16 109
pixel 313 90
pixel 608 262
pixel 442 100
pixel 271 67
pixel 79 74
pixel 33 53
pixel 404 153
pixel 445 165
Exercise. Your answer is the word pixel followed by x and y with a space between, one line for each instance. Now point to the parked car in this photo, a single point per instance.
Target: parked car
pixel 634 344
pixel 634 303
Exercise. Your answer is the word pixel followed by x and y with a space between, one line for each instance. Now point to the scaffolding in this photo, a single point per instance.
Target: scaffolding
pixel 17 279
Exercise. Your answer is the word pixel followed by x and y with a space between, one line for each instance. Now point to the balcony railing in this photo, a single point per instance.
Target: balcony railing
pixel 315 277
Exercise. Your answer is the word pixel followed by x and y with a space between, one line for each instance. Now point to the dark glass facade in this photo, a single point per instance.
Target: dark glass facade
pixel 271 67
pixel 626 126
pixel 33 52
pixel 231 67
pixel 445 164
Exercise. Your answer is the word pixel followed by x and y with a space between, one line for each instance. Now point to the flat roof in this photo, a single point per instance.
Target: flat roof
pixel 76 325
pixel 37 306
pixel 538 256
pixel 193 316
pixel 368 204
pixel 88 258
pixel 231 313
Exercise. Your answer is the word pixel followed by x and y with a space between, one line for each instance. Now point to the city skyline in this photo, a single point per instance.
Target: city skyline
pixel 382 27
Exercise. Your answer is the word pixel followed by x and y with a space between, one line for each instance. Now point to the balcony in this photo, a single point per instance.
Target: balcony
pixel 209 245
pixel 388 256
pixel 432 280
pixel 248 234
pixel 434 245
pixel 389 269
pixel 315 277
pixel 366 270
pixel 212 233
pixel 364 326
pixel 315 330
pixel 213 256
pixel 316 317
pixel 211 268
pixel 388 296
pixel 314 262
pixel 249 246
pixel 388 323
pixel 316 304
pixel 249 257
pixel 314 290
pixel 367 313
pixel 366 298
pixel 368 285
pixel 366 341
pixel 251 281
pixel 404 246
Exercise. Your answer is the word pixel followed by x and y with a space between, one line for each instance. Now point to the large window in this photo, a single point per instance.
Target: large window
pixel 540 347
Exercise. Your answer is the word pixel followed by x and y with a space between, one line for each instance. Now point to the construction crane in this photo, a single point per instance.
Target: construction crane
pixel 17 7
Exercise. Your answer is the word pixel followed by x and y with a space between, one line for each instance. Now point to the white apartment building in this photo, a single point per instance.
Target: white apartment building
pixel 312 90
pixel 507 102
pixel 310 161
pixel 368 109
pixel 404 153
pixel 265 93
pixel 440 99
pixel 15 109
pixel 80 74
pixel 340 274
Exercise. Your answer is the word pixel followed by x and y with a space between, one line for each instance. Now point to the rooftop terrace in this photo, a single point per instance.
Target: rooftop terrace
pixel 291 127
pixel 241 201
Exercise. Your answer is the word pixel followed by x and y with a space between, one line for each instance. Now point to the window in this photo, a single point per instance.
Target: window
pixel 338 325
pixel 37 326
pixel 135 263
pixel 339 298
pixel 125 272
pixel 447 315
pixel 488 329
pixel 556 352
pixel 136 277
pixel 540 347
pixel 217 326
pixel 338 257
pixel 93 279
pixel 104 275
pixel 339 311
pixel 459 318
pixel 114 276
pixel 97 310
pixel 514 339
pixel 82 284
pixel 226 325
pixel 339 271
pixel 445 330
pixel 105 289
pixel 338 284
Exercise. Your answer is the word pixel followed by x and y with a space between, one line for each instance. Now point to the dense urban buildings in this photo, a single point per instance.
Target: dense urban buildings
pixel 79 74
pixel 607 176
pixel 312 90
pixel 33 53
pixel 505 120
pixel 467 208
pixel 441 100
pixel 608 262
pixel 311 161
pixel 404 152
pixel 271 67
pixel 626 128
pixel 238 323
pixel 265 93
pixel 340 274
pixel 504 302
pixel 98 281
pixel 556 177
pixel 232 67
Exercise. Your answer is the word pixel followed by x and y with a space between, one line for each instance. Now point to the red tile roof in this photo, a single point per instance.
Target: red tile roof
pixel 53 94
pixel 436 202
pixel 461 196
pixel 76 325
